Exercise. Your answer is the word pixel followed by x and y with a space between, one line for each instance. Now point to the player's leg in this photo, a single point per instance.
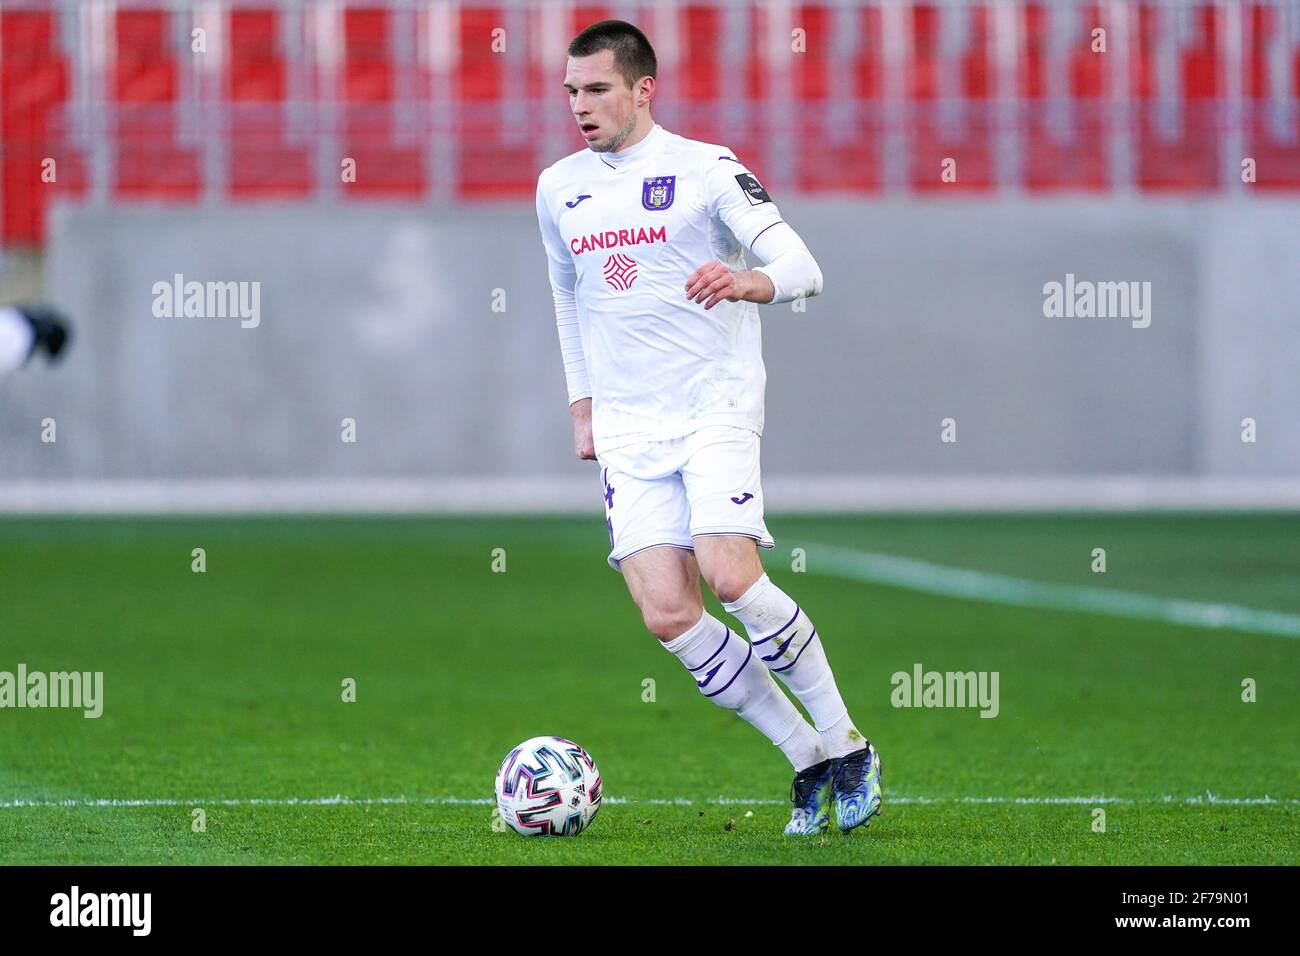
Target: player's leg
pixel 726 499
pixel 782 634
pixel 734 558
pixel 722 479
pixel 665 584
pixel 648 522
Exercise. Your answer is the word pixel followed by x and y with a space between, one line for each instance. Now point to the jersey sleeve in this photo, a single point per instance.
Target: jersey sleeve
pixel 788 263
pixel 564 280
pixel 737 199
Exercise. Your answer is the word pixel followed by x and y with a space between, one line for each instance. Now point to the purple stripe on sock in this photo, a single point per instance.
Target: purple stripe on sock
pixel 813 637
pixel 781 650
pixel 787 624
pixel 726 637
pixel 735 675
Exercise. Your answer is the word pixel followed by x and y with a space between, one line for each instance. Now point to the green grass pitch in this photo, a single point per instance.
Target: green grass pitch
pixel 224 688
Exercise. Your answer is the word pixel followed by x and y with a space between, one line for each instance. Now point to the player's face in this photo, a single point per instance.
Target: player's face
pixel 602 103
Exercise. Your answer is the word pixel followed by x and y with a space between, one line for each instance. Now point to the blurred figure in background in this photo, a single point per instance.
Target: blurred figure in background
pixel 28 329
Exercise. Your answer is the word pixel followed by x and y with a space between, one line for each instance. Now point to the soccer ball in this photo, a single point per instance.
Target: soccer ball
pixel 548 786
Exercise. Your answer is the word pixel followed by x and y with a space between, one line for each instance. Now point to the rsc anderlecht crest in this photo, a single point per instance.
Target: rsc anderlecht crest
pixel 657 192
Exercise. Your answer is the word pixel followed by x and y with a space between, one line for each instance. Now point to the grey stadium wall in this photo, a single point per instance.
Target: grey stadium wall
pixel 432 329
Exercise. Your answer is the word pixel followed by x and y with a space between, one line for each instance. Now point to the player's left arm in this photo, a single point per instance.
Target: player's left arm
pixel 737 199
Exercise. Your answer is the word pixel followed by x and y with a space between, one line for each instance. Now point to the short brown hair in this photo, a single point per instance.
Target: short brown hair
pixel 634 57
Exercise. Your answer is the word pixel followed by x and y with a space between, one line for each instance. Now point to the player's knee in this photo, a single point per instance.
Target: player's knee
pixel 729 584
pixel 667 621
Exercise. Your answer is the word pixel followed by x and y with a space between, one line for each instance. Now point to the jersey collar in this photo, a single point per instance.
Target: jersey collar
pixel 625 156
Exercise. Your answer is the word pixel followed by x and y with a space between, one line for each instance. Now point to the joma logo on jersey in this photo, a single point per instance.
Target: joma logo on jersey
pixel 613 238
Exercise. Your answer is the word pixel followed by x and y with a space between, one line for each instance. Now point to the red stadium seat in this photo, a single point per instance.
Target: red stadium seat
pixel 839 160
pixel 263 164
pixel 479 71
pixel 495 155
pixel 150 162
pixel 33 91
pixel 1273 142
pixel 256 71
pixel 1079 159
pixel 385 168
pixel 376 104
pixel 962 130
pixel 1188 157
pixel 698 83
pixel 144 65
pixel 368 69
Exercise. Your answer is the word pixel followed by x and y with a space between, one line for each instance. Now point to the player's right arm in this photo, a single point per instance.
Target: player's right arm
pixel 564 280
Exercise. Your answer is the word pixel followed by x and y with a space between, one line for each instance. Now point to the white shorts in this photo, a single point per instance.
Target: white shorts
pixel 668 492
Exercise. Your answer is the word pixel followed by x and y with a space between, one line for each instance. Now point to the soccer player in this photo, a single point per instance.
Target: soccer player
pixel 645 233
pixel 26 330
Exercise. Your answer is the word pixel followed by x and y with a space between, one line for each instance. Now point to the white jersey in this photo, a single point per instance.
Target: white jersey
pixel 623 231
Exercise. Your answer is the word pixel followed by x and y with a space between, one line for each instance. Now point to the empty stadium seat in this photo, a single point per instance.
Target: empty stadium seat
pixel 1272 130
pixel 33 90
pixel 265 159
pixel 1177 144
pixel 951 115
pixel 150 161
pixel 1067 152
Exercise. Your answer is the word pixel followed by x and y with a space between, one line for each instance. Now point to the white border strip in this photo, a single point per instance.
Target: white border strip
pixel 1207 799
pixel 785 494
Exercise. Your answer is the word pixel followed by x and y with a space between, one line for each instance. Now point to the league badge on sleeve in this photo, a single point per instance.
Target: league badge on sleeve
pixel 754 190
pixel 657 192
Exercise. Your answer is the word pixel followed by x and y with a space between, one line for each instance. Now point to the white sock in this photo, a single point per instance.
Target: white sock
pixel 16 337
pixel 786 641
pixel 727 671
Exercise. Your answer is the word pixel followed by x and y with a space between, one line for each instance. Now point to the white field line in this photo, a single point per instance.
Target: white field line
pixel 1206 799
pixel 915 575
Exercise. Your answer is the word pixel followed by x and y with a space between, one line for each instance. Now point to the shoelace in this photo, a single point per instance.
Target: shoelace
pixel 849 770
pixel 805 782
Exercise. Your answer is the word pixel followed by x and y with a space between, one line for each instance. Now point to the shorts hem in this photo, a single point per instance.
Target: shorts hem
pixel 626 552
pixel 764 538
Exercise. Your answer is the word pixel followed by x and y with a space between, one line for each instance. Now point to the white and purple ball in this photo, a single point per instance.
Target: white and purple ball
pixel 548 786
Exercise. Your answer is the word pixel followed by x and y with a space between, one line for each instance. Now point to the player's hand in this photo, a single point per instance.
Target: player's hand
pixel 713 282
pixel 583 446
